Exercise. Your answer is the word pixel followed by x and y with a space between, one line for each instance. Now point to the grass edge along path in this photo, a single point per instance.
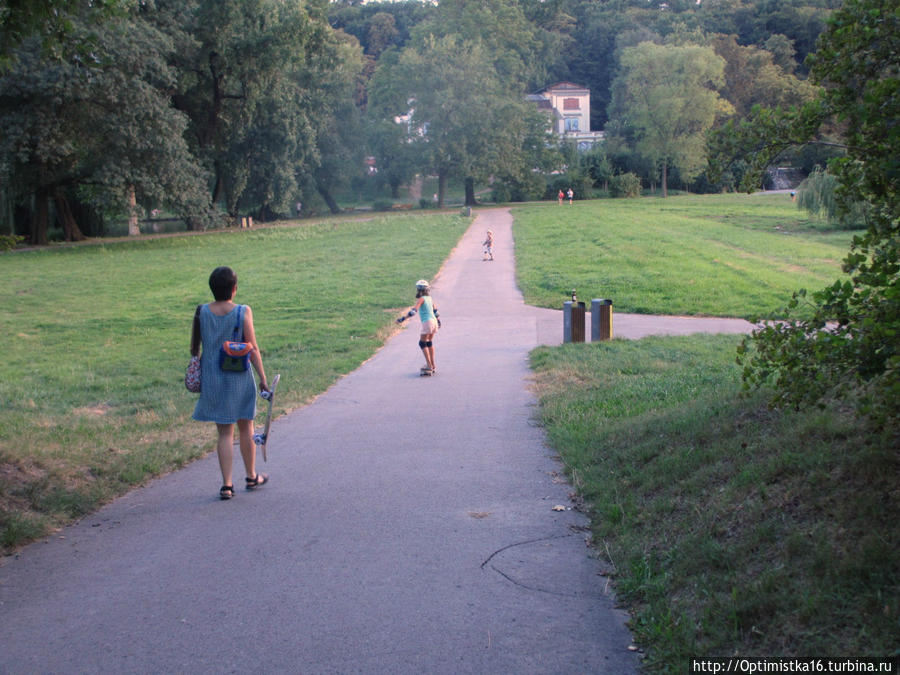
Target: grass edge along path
pixel 92 402
pixel 731 529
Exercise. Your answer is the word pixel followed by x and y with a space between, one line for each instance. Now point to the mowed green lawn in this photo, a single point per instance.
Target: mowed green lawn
pixel 713 255
pixel 92 400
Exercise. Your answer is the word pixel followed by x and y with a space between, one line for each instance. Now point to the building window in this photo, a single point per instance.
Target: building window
pixel 571 124
pixel 571 104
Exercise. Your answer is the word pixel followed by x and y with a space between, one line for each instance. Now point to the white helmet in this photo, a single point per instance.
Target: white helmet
pixel 421 285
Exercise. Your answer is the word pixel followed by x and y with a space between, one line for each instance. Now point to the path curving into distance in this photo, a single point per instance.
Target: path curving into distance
pixel 408 527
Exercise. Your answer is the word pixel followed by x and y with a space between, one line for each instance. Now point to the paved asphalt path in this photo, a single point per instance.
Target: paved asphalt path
pixel 409 527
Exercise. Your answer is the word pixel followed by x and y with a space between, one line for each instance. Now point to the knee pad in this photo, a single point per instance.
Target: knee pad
pixel 429 343
pixel 422 344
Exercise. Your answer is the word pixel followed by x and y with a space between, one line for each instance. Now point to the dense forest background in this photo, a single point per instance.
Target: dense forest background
pixel 208 110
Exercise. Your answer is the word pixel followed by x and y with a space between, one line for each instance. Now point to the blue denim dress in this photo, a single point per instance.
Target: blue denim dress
pixel 226 396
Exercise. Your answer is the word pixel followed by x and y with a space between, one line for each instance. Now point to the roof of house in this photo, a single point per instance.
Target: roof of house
pixel 564 86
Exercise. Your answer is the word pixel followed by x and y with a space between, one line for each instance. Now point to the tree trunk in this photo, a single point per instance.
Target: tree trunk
pixel 470 192
pixel 219 186
pixel 442 187
pixel 133 227
pixel 326 195
pixel 41 216
pixel 64 213
pixel 665 179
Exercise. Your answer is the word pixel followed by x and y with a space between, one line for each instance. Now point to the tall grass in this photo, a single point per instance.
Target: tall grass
pixel 91 402
pixel 719 255
pixel 732 529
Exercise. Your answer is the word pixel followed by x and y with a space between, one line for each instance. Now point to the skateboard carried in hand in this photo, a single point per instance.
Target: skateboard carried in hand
pixel 261 438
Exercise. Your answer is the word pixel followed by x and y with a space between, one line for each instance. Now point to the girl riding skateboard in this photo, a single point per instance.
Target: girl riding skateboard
pixel 428 315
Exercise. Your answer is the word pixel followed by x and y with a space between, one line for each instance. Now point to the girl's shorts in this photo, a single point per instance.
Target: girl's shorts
pixel 429 326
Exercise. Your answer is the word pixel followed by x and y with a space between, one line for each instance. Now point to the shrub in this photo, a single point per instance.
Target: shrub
pixel 382 205
pixel 625 185
pixel 9 241
pixel 501 193
pixel 525 188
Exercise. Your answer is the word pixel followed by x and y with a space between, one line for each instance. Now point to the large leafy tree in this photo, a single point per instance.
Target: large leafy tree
pixel 850 347
pixel 462 82
pixel 332 80
pixel 52 21
pixel 665 101
pixel 98 130
pixel 464 119
pixel 249 82
pixel 752 76
pixel 786 28
pixel 369 22
pixel 516 54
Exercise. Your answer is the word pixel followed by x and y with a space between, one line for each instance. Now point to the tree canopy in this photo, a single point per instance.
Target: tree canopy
pixel 79 129
pixel 467 117
pixel 248 106
pixel 665 99
pixel 850 347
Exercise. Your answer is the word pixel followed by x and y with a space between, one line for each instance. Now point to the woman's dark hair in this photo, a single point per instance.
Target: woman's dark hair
pixel 422 291
pixel 221 282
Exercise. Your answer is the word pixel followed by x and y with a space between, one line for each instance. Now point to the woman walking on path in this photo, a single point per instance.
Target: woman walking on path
pixel 228 397
pixel 428 315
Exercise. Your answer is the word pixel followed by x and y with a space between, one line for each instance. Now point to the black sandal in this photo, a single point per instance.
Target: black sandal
pixel 258 481
pixel 226 492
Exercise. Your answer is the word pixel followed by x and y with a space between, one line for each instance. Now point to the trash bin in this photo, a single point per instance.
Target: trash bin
pixel 578 312
pixel 601 320
pixel 573 321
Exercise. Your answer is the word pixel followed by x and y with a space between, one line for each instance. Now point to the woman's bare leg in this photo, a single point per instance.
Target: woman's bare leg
pixel 248 448
pixel 225 451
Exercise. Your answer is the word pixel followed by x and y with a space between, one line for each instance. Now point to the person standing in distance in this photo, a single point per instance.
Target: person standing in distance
pixel 488 246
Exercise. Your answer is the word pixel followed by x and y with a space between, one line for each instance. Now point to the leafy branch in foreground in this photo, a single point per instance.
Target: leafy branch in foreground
pixel 850 348
pixel 762 137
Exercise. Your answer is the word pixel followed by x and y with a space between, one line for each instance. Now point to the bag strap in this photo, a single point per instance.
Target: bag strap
pixel 239 326
pixel 195 333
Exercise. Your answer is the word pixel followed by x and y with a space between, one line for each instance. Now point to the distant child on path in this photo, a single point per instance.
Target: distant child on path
pixel 428 315
pixel 570 194
pixel 488 246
